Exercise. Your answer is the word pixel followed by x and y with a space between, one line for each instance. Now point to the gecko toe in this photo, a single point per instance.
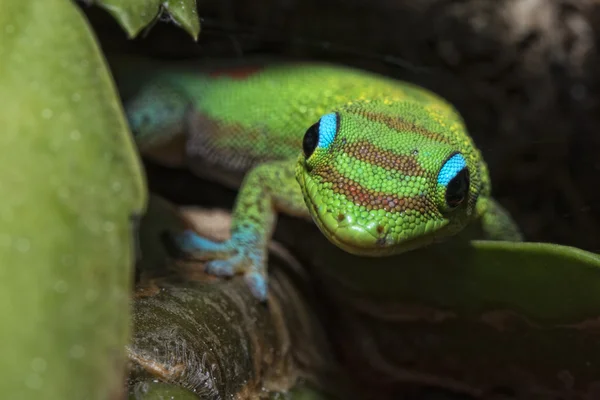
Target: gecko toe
pixel 257 283
pixel 220 268
pixel 190 242
pixel 227 267
pixel 226 259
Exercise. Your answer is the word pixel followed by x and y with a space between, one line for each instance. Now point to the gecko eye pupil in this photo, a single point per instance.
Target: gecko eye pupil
pixel 310 141
pixel 457 189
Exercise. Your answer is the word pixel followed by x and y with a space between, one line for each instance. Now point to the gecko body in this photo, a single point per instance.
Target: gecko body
pixel 380 166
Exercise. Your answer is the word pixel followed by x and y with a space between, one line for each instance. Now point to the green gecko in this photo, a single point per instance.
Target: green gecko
pixel 381 166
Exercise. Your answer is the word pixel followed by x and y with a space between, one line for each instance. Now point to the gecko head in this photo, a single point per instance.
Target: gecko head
pixel 379 184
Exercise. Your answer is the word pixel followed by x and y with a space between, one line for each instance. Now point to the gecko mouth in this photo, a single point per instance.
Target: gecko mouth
pixel 352 237
pixel 341 230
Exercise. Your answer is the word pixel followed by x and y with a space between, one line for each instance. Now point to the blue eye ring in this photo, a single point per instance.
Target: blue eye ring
pixel 320 134
pixel 454 177
pixel 328 128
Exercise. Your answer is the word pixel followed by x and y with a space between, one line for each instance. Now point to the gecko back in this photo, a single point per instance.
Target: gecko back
pixel 233 118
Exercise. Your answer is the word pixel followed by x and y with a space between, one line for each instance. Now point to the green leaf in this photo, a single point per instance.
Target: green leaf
pixel 70 182
pixel 542 280
pixel 185 13
pixel 482 313
pixel 135 15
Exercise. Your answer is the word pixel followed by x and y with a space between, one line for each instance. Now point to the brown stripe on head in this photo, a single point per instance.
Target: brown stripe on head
pixel 374 200
pixel 368 152
pixel 399 124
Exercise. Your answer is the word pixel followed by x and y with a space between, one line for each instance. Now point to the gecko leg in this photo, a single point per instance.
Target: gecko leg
pixel 497 223
pixel 267 189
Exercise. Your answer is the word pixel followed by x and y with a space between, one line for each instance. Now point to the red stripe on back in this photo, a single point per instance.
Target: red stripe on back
pixel 237 73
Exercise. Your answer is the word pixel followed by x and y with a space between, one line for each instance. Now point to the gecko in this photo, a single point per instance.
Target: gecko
pixel 381 166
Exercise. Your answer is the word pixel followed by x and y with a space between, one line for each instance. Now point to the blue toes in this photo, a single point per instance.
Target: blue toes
pixel 257 284
pixel 190 241
pixel 220 268
pixel 223 260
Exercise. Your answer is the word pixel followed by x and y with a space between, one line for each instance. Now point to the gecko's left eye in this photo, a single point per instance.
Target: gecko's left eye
pixel 321 134
pixel 311 138
pixel 454 177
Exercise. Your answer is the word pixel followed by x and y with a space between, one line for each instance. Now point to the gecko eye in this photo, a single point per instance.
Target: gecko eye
pixel 457 189
pixel 454 176
pixel 311 138
pixel 320 134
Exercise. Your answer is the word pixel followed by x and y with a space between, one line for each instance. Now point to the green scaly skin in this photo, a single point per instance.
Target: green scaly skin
pixel 371 176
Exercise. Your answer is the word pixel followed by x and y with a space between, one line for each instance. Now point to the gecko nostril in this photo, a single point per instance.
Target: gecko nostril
pixel 341 217
pixel 379 229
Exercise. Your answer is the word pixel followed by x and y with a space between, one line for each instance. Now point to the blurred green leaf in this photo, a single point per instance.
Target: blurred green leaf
pixel 507 314
pixel 135 15
pixel 70 183
pixel 542 280
pixel 185 13
pixel 132 15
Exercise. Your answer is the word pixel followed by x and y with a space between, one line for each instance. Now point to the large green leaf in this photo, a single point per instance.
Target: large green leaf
pixel 70 182
pixel 473 316
pixel 135 15
pixel 467 315
pixel 542 280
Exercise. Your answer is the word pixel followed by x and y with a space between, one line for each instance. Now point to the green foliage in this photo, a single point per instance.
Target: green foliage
pixel 135 15
pixel 70 182
pixel 544 281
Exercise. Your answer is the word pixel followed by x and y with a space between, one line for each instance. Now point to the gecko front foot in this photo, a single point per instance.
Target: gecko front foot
pixel 238 255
